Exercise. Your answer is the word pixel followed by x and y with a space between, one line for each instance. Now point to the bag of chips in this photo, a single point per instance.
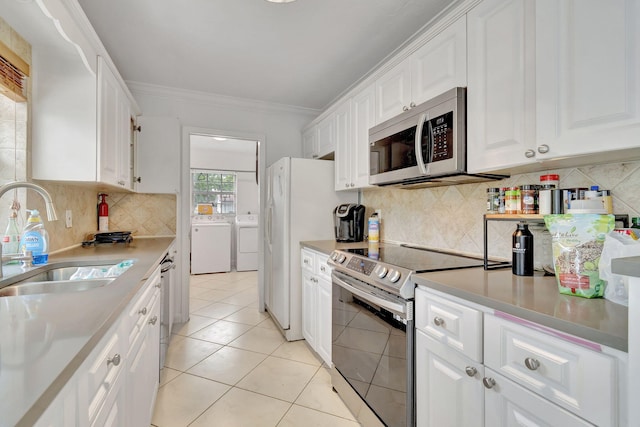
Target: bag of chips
pixel 577 243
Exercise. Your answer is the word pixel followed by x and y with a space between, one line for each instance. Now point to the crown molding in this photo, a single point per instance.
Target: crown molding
pixel 216 99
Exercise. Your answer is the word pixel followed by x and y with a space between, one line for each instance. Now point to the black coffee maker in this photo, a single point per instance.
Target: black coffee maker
pixel 348 219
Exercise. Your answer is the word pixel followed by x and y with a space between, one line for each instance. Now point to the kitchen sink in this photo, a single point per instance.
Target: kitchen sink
pixel 53 287
pixel 59 279
pixel 61 273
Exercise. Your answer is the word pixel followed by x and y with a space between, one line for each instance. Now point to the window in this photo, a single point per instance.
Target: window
pixel 216 188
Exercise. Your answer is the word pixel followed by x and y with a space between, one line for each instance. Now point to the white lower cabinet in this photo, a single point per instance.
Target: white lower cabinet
pixel 316 303
pixel 449 388
pixel 527 374
pixel 117 383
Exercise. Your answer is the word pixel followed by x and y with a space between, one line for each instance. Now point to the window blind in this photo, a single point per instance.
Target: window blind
pixel 13 74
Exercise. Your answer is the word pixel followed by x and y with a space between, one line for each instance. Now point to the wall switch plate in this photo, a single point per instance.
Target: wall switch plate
pixel 68 218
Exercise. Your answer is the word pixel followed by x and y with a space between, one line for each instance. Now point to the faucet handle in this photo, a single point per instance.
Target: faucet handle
pixel 28 262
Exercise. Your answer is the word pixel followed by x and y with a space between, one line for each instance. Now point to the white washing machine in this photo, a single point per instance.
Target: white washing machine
pixel 246 242
pixel 210 245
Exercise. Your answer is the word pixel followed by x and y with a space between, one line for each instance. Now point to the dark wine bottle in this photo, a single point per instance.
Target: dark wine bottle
pixel 522 251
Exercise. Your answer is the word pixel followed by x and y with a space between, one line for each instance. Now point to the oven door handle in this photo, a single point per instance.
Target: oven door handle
pixel 389 305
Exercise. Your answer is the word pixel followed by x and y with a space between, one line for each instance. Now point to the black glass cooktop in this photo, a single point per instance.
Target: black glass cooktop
pixel 419 260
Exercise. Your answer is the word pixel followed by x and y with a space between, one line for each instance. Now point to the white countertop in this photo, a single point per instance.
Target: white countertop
pixel 45 338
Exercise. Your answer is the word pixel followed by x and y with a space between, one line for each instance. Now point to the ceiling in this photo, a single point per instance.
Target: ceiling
pixel 305 54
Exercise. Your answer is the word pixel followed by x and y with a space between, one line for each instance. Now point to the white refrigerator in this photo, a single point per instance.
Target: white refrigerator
pixel 300 203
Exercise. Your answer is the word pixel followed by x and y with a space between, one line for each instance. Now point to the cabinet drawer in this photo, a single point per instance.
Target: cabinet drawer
pixel 102 370
pixel 453 324
pixel 138 311
pixel 323 269
pixel 577 378
pixel 307 260
pixel 507 404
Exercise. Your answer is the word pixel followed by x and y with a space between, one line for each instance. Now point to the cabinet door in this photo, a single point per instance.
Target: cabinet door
pixel 109 115
pixel 588 81
pixel 157 159
pixel 63 411
pixel 309 308
pixel 323 337
pixel 501 85
pixel 112 414
pixel 310 143
pixel 363 117
pixel 393 92
pixel 344 148
pixel 507 404
pixel 441 63
pixel 143 371
pixel 327 135
pixel 125 130
pixel 449 390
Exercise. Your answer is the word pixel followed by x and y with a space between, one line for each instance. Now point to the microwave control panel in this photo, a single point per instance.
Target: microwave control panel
pixel 438 131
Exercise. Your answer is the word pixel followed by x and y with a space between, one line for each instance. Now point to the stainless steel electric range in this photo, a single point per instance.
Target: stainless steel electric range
pixel 373 331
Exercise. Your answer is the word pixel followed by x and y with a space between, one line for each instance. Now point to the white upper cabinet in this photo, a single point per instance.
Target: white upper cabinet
pixel 552 81
pixel 393 92
pixel 440 64
pixel 437 66
pixel 310 143
pixel 82 111
pixel 354 118
pixel 501 85
pixel 114 130
pixel 157 155
pixel 587 76
pixel 326 130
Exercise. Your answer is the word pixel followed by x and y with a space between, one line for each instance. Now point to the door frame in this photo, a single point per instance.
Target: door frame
pixel 184 210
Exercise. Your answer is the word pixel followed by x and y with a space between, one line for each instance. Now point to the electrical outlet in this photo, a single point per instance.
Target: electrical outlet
pixel 68 218
pixel 379 212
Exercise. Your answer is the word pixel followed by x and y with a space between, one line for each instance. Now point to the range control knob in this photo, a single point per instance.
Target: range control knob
pixel 394 276
pixel 381 271
pixel 341 258
pixel 334 256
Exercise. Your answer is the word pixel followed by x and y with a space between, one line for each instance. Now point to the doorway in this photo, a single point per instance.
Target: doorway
pixel 213 153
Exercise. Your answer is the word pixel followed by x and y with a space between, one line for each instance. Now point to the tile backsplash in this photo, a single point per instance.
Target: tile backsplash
pixel 451 218
pixel 142 214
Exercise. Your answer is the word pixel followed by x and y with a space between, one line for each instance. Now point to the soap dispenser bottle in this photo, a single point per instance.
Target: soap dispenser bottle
pixel 35 238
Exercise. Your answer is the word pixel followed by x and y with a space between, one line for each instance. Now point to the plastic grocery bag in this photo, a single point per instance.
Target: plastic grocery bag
pixel 577 241
pixel 617 245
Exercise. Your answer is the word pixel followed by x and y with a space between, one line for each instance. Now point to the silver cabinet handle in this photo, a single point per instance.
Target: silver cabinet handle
pixel 306 261
pixel 531 363
pixel 488 382
pixel 352 184
pixel 471 371
pixel 542 149
pixel 153 320
pixel 529 154
pixel 405 108
pixel 412 104
pixel 115 360
pixel 438 321
pixel 346 185
pixel 158 285
pixel 143 311
pixel 323 269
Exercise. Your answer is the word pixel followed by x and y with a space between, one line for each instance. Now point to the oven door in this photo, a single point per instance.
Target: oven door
pixel 372 351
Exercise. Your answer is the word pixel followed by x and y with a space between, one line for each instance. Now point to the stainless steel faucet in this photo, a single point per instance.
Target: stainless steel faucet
pixel 51 210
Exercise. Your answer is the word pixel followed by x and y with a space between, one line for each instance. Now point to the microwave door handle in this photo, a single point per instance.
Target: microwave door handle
pixel 418 145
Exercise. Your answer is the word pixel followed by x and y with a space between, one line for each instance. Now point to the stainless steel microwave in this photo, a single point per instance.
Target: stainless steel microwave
pixel 424 146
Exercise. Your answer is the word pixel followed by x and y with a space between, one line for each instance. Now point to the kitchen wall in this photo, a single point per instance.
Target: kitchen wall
pixel 451 218
pixel 281 125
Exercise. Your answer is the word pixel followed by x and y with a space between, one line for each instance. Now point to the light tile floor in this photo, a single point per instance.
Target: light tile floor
pixel 229 366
